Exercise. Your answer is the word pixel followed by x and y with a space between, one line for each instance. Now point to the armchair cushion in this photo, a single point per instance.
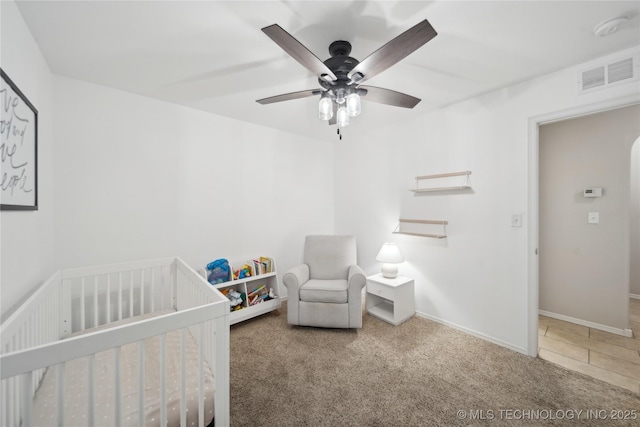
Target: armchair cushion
pixel 315 290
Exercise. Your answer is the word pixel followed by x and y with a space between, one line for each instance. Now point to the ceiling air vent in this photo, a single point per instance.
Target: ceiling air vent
pixel 619 70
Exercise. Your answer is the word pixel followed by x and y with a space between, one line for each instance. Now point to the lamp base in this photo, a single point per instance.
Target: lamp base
pixel 390 271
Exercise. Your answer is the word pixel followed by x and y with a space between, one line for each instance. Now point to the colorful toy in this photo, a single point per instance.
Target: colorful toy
pixel 218 271
pixel 245 271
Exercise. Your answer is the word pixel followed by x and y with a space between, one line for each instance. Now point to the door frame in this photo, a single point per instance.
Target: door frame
pixel 534 200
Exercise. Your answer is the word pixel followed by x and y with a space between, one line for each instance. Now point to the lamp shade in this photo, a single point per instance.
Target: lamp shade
pixel 390 253
pixel 325 108
pixel 354 107
pixel 342 117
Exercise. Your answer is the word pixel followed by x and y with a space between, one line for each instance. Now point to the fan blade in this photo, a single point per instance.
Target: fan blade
pixel 289 96
pixel 298 52
pixel 393 52
pixel 389 97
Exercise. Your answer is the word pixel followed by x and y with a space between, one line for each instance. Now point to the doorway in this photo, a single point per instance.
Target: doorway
pixel 582 284
pixel 533 202
pixel 584 218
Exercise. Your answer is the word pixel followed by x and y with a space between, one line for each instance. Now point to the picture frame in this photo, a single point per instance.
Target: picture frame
pixel 18 149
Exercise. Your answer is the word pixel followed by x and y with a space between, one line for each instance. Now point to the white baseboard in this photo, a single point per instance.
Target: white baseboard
pixel 634 296
pixel 624 332
pixel 474 333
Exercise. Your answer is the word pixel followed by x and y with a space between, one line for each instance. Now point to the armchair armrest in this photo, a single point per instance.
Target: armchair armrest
pixel 294 278
pixel 356 279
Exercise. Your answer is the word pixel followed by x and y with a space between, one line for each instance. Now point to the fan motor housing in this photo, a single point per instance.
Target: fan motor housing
pixel 340 63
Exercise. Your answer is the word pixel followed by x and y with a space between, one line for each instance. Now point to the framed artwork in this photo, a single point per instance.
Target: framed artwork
pixel 18 149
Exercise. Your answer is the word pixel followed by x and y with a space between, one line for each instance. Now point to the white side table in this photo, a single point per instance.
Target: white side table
pixel 391 300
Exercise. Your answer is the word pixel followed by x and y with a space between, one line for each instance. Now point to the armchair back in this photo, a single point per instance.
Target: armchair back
pixel 329 257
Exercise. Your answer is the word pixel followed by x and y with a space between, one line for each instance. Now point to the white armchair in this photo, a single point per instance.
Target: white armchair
pixel 326 290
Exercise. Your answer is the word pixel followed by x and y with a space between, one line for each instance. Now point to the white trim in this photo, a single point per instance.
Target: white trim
pixel 473 332
pixel 634 296
pixel 624 332
pixel 533 200
pixel 532 237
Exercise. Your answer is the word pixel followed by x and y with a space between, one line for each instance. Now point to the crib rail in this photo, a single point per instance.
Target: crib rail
pixel 36 323
pixel 95 296
pixel 79 299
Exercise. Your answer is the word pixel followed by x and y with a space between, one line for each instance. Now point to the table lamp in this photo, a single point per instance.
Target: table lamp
pixel 390 257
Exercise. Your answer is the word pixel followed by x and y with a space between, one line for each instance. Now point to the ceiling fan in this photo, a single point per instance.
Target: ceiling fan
pixel 341 76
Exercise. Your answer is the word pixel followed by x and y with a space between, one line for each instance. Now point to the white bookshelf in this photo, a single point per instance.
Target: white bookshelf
pixel 248 284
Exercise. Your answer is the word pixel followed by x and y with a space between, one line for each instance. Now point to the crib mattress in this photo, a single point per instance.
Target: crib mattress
pixel 76 396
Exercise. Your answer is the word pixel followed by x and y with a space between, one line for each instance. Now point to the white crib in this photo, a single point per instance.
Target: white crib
pixel 111 321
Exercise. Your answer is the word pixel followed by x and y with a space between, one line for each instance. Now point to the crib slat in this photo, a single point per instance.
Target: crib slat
pixel 36 326
pixel 119 295
pixel 131 293
pixel 117 409
pixel 173 283
pixel 22 338
pixel 15 402
pixel 163 380
pixel 141 383
pixel 95 301
pixel 162 290
pixel 142 292
pixel 4 404
pixel 27 398
pixel 201 377
pixel 65 314
pixel 153 290
pixel 108 298
pixel 60 394
pixel 221 375
pixel 183 385
pixel 91 384
pixel 82 324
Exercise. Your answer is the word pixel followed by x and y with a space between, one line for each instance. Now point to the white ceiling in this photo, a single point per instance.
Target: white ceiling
pixel 212 56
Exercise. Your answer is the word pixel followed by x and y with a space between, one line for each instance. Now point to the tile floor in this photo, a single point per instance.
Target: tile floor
pixel 608 357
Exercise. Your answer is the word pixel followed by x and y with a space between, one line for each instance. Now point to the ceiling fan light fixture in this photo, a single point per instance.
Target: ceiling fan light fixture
pixel 341 75
pixel 342 117
pixel 354 106
pixel 340 95
pixel 325 107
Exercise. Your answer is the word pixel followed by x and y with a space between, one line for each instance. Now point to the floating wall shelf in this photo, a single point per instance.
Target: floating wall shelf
pixel 466 184
pixel 422 221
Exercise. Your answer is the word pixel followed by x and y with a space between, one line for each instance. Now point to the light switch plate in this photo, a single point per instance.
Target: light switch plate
pixel 593 218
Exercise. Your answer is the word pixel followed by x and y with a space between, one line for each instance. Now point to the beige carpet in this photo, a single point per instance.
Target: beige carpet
pixel 420 373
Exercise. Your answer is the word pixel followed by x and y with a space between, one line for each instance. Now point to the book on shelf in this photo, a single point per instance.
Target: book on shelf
pixel 259 267
pixel 258 290
pixel 267 263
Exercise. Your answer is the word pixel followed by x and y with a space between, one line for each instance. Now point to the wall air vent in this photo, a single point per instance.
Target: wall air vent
pixel 593 78
pixel 606 73
pixel 620 70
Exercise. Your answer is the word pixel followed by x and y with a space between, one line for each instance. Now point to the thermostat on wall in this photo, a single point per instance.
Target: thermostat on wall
pixel 593 192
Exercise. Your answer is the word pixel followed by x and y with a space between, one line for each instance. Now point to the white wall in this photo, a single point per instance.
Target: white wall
pixel 634 276
pixel 140 178
pixel 477 279
pixel 129 183
pixel 584 268
pixel 26 237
